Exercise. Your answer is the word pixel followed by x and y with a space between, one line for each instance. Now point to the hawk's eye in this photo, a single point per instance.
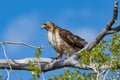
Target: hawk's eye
pixel 48 27
pixel 45 24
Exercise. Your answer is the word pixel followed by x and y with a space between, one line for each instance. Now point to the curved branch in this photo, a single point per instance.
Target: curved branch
pixel 48 64
pixel 103 33
pixel 23 43
pixel 106 29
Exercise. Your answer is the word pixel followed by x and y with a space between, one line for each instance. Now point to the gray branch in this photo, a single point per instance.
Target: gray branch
pixel 104 32
pixel 106 29
pixel 47 64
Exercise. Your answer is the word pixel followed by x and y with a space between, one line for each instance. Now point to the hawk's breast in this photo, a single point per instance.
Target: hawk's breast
pixel 54 39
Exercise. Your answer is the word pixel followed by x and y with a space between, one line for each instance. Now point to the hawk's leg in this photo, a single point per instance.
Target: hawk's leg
pixel 59 56
pixel 67 55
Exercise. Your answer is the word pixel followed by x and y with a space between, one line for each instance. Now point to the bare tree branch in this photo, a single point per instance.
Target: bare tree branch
pixel 48 64
pixel 8 74
pixel 106 29
pixel 104 32
pixel 23 43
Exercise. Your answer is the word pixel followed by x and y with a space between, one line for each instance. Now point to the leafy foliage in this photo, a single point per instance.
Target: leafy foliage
pixel 74 75
pixel 38 53
pixel 106 52
pixel 114 47
pixel 35 69
pixel 96 55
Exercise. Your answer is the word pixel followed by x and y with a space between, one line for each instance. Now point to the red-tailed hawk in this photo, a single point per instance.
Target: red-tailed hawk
pixel 63 41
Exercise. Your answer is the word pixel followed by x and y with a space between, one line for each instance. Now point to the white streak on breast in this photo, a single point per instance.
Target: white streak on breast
pixel 50 38
pixel 54 40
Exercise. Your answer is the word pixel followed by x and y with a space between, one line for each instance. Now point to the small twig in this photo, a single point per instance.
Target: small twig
pixel 43 78
pixel 8 74
pixel 5 54
pixel 22 43
pixel 19 78
pixel 105 75
pixel 98 75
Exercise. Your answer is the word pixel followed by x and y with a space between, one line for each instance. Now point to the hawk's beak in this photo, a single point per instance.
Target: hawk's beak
pixel 43 26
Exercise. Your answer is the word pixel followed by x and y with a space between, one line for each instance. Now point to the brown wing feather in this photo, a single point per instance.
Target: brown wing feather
pixel 71 39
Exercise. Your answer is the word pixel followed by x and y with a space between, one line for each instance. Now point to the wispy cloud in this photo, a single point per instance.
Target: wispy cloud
pixel 22 28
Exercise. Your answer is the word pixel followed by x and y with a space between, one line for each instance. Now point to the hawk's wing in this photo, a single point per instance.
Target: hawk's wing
pixel 71 39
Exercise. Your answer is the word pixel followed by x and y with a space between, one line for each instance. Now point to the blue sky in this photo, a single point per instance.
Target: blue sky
pixel 20 20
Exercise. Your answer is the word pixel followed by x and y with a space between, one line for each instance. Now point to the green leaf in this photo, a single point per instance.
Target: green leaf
pixel 38 52
pixel 35 70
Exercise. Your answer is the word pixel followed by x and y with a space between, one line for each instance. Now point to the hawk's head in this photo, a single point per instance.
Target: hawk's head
pixel 48 26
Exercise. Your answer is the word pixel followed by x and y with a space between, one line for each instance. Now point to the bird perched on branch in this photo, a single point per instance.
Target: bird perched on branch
pixel 63 41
